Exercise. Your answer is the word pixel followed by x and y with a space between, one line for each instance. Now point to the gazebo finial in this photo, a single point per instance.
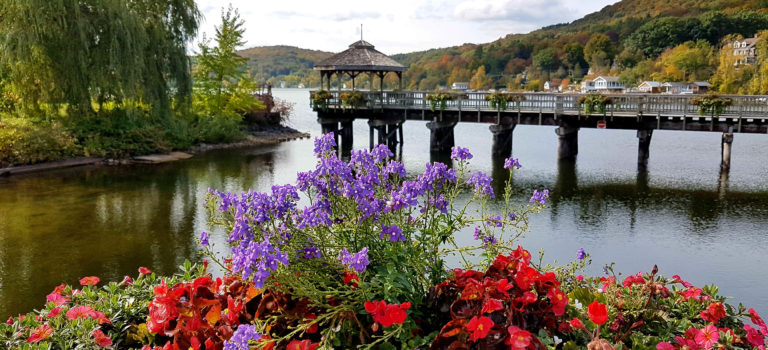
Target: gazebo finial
pixel 361 32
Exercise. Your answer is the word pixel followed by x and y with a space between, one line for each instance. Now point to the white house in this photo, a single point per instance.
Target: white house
pixel 460 86
pixel 675 88
pixel 746 49
pixel 587 86
pixel 649 87
pixel 608 84
pixel 553 85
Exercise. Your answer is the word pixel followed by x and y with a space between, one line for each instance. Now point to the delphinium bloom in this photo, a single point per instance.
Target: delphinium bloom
pixel 325 143
pixel 393 233
pixel 482 183
pixel 358 261
pixel 460 153
pixel 509 163
pixel 581 254
pixel 241 337
pixel 540 197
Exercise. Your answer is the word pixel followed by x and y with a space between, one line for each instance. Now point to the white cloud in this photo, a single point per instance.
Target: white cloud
pixel 394 26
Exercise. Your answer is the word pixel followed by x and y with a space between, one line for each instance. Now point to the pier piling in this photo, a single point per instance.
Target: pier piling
pixel 441 136
pixel 502 140
pixel 568 143
pixel 643 147
pixel 725 147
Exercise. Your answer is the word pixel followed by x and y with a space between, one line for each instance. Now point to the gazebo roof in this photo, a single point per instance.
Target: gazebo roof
pixel 361 56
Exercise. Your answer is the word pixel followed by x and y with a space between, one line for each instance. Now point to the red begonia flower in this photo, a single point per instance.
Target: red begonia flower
pixel 597 312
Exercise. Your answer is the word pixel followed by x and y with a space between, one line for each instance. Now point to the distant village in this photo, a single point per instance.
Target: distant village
pixel 591 83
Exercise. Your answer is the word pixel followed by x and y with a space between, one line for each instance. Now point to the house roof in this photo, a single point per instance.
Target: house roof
pixel 750 42
pixel 611 79
pixel 702 83
pixel 652 84
pixel 361 56
pixel 672 83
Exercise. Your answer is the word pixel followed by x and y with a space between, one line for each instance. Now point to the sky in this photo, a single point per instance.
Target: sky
pixel 393 26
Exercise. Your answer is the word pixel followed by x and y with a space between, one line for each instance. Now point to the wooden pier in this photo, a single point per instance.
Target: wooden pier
pixel 386 113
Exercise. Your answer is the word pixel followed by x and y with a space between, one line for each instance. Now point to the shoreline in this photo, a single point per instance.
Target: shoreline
pixel 256 138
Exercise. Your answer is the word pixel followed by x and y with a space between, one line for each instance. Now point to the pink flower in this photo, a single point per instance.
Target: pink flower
pixel 55 312
pixel 41 333
pixel 580 278
pixel 127 281
pixel 89 281
pixel 753 336
pixel 144 271
pixel 664 346
pixel 79 312
pixel 518 338
pixel 56 299
pixel 707 337
pixel 10 321
pixel 101 339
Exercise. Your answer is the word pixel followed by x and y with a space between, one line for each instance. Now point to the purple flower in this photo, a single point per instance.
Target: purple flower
pixel 381 152
pixel 489 241
pixel 540 197
pixel 204 238
pixel 512 216
pixel 581 254
pixel 494 221
pixel 358 261
pixel 311 252
pixel 511 162
pixel 393 232
pixel 482 184
pixel 239 340
pixel 459 153
pixel 477 233
pixel 324 143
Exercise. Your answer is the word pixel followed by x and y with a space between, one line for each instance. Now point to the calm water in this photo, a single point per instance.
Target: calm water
pixel 107 221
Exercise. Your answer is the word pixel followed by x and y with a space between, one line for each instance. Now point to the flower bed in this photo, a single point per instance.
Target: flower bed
pixel 354 256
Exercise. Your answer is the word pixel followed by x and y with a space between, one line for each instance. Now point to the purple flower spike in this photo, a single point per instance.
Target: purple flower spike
pixel 482 184
pixel 324 143
pixel 540 197
pixel 358 261
pixel 509 163
pixel 460 153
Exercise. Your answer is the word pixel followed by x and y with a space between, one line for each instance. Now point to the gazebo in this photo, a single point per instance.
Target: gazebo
pixel 361 57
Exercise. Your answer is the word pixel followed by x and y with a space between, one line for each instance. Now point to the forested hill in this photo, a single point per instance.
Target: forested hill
pixel 634 39
pixel 288 63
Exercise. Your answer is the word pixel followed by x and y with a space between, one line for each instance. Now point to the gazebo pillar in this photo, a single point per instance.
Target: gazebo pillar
pixel 370 74
pixel 400 79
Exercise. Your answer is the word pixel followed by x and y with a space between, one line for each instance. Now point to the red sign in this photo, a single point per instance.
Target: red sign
pixel 601 124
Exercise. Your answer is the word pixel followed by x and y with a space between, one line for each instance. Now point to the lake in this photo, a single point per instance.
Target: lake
pixel 106 221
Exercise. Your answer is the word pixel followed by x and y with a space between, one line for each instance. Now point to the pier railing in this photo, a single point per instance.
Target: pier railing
pixel 566 104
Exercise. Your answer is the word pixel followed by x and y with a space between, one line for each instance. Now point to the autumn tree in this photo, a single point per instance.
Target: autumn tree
pixel 687 62
pixel 480 81
pixel 599 52
pixel 546 60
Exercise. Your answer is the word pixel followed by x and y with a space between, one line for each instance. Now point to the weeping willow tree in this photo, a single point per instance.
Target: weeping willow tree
pixel 83 53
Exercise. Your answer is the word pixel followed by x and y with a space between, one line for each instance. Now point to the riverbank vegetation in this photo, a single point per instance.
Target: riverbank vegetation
pixel 125 86
pixel 359 254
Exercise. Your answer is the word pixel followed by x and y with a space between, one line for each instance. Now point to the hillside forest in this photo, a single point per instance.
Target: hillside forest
pixel 636 40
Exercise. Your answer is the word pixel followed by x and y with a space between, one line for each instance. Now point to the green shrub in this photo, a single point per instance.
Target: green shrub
pixel 120 134
pixel 26 141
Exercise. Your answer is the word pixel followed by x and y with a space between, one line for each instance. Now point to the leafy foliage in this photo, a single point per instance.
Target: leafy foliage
pixel 594 103
pixel 24 141
pixel 711 104
pixel 440 99
pixel 353 99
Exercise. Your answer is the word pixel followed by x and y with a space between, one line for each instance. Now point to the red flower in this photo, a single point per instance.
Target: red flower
pixel 576 323
pixel 60 288
pixel 89 281
pixel 385 314
pixel 597 312
pixel 522 254
pixel 491 305
pixel 127 281
pixel 529 298
pixel 758 321
pixel 479 327
pixel 313 328
pixel 634 279
pixel 714 312
pixel 664 346
pixel 10 321
pixel 518 338
pixel 101 339
pixel 41 333
pixel 351 278
pixel 144 271
pixel 525 277
pixel 559 300
pixel 503 286
pixel 301 345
